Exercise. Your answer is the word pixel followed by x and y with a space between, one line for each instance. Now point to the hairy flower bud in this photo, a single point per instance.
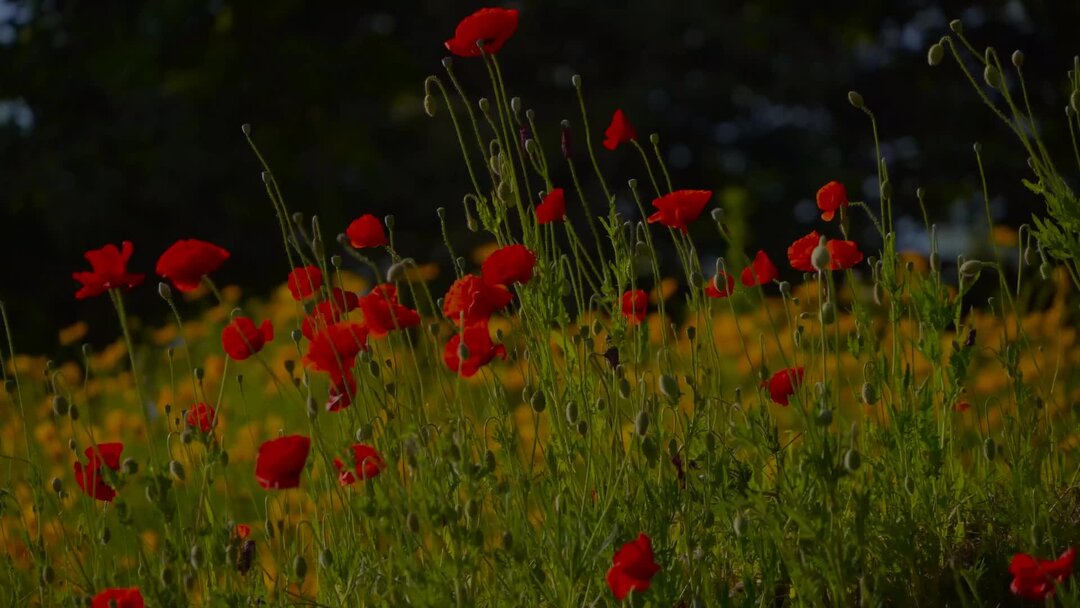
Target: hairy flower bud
pixel 430 106
pixel 641 423
pixel 852 460
pixel 856 100
pixel 935 54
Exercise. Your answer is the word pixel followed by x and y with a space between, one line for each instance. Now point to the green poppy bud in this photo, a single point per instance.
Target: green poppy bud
pixel 412 522
pixel 855 100
pixel 73 411
pixel 935 54
pixel 60 405
pixel 669 387
pixel 326 558
pixel 624 388
pixel 538 401
pixel 989 449
pixel 852 460
pixel 641 423
pixel 177 470
pixel 571 412
pixel 828 313
pixel 824 416
pixel 1018 59
pixel 48 575
pixel 992 76
pixel 739 525
pixel 970 269
pixel 957 26
pixel 164 291
pixel 299 567
pixel 869 393
pixel 582 427
pixel 195 556
pixel 430 106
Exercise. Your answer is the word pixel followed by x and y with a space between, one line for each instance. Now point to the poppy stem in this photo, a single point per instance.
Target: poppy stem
pixel 121 313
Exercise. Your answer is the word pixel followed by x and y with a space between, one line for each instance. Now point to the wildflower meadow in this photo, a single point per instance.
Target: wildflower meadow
pixel 590 409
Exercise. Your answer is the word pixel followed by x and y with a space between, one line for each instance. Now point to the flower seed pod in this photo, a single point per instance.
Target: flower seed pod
pixel 869 393
pixel 989 449
pixel 326 558
pixel 177 470
pixel 935 54
pixel 60 406
pixel 669 387
pixel 299 567
pixel 855 100
pixel 641 423
pixel 852 460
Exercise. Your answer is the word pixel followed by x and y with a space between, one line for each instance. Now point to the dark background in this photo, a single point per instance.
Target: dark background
pixel 121 120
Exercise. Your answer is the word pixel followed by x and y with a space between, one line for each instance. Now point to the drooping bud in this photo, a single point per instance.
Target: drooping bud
pixel 177 470
pixel 856 100
pixel 299 567
pixel 989 449
pixel 852 460
pixel 60 405
pixel 1018 59
pixel 869 393
pixel 935 54
pixel 430 106
pixel 992 76
pixel 641 423
pixel 957 26
pixel 164 291
pixel 970 269
pixel 538 402
pixel 669 387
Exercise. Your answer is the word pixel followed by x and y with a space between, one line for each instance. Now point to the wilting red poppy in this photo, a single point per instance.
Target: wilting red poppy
pixel 89 476
pixel 329 311
pixel 472 299
pixel 783 384
pixel 242 531
pixel 366 231
pixel 383 314
pixel 334 349
pixel 760 271
pixel 800 251
pixel 620 131
pixel 109 271
pixel 201 416
pixel 479 346
pixel 187 261
pixel 961 406
pixel 722 286
pixel 1037 579
pixel 552 208
pixel 843 254
pixel 634 305
pixel 508 265
pixel 241 338
pixel 117 597
pixel 366 462
pixel 280 462
pixel 632 568
pixel 303 282
pixel 342 391
pixel 830 198
pixel 491 27
pixel 680 208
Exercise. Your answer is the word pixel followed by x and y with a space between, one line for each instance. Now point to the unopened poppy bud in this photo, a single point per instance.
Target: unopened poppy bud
pixel 624 388
pixel 296 335
pixel 970 269
pixel 669 387
pixel 299 567
pixel 186 437
pixel 992 76
pixel 105 536
pixel 641 423
pixel 1018 59
pixel 74 447
pixel 820 258
pixel 412 522
pixel 852 460
pixel 397 272
pixel 538 402
pixel 448 62
pixel 717 215
pixel 654 139
pixel 200 373
pixel 571 412
pixel 177 470
pixel 909 485
pixel 957 26
pixel 57 485
pixel 60 405
pixel 600 404
pixel 582 427
pixel 739 526
pixel 336 261
pixel 73 412
pixel 869 393
pixel 935 261
pixel 855 99
pixel 485 105
pixel 266 177
pixel 989 449
pixel 785 289
pixel 166 576
pixel 935 54
pixel 389 221
pixel 164 291
pixel 298 218
pixel 246 129
pixel 824 416
pixel 430 106
pixel 515 105
pixel 326 558
pixel 828 313
pixel 505 190
pixel 195 556
pixel 977 147
pixel 879 294
pixel 48 575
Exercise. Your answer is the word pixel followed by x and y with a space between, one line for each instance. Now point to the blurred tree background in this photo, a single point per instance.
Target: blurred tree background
pixel 121 120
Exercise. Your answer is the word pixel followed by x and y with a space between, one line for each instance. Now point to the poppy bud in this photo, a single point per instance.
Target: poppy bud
pixel 957 26
pixel 879 294
pixel 909 485
pixel 571 412
pixel 824 416
pixel 196 556
pixel 820 258
pixel 935 54
pixel 74 447
pixel 364 433
pixel 537 401
pixel 447 62
pixel 485 105
pixel 164 291
pixel 852 460
pixel 739 526
pixel 992 76
pixel 299 567
pixel 654 139
pixel 600 404
pixel 641 423
pixel 57 485
pixel 177 470
pixel 970 269
pixel 326 558
pixel 412 522
pixel 60 405
pixel 74 412
pixel 565 142
pixel 429 106
pixel 785 289
pixel 48 575
pixel 855 100
pixel 669 387
pixel 1044 270
pixel 989 449
pixel 186 436
pixel 246 129
pixel 296 335
pixel 105 536
pixel 624 388
pixel 869 393
pixel 336 261
pixel 1018 59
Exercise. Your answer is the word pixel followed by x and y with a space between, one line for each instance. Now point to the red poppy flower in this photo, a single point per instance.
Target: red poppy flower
pixel 242 531
pixel 760 271
pixel 831 197
pixel 800 251
pixel 117 597
pixel 620 131
pixel 490 26
pixel 479 346
pixel 89 476
pixel 634 305
pixel 552 208
pixel 383 314
pixel 783 384
pixel 187 261
pixel 303 282
pixel 335 348
pixel 367 463
pixel 109 271
pixel 472 299
pixel 1037 579
pixel 342 392
pixel 241 338
pixel 632 568
pixel 961 406
pixel 366 231
pixel 201 416
pixel 509 265
pixel 714 290
pixel 329 311
pixel 843 254
pixel 680 208
pixel 280 462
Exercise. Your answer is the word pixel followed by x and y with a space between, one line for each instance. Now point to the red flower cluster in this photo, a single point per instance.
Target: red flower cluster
pixel 620 131
pixel 1037 579
pixel 280 462
pixel 89 476
pixel 241 338
pixel 109 266
pixel 634 304
pixel 382 312
pixel 366 231
pixel 366 463
pixel 304 282
pixel 201 416
pixel 187 261
pixel 470 299
pixel 680 208
pixel 552 208
pixel 783 384
pixel 118 597
pixel 487 27
pixel 329 311
pixel 632 568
